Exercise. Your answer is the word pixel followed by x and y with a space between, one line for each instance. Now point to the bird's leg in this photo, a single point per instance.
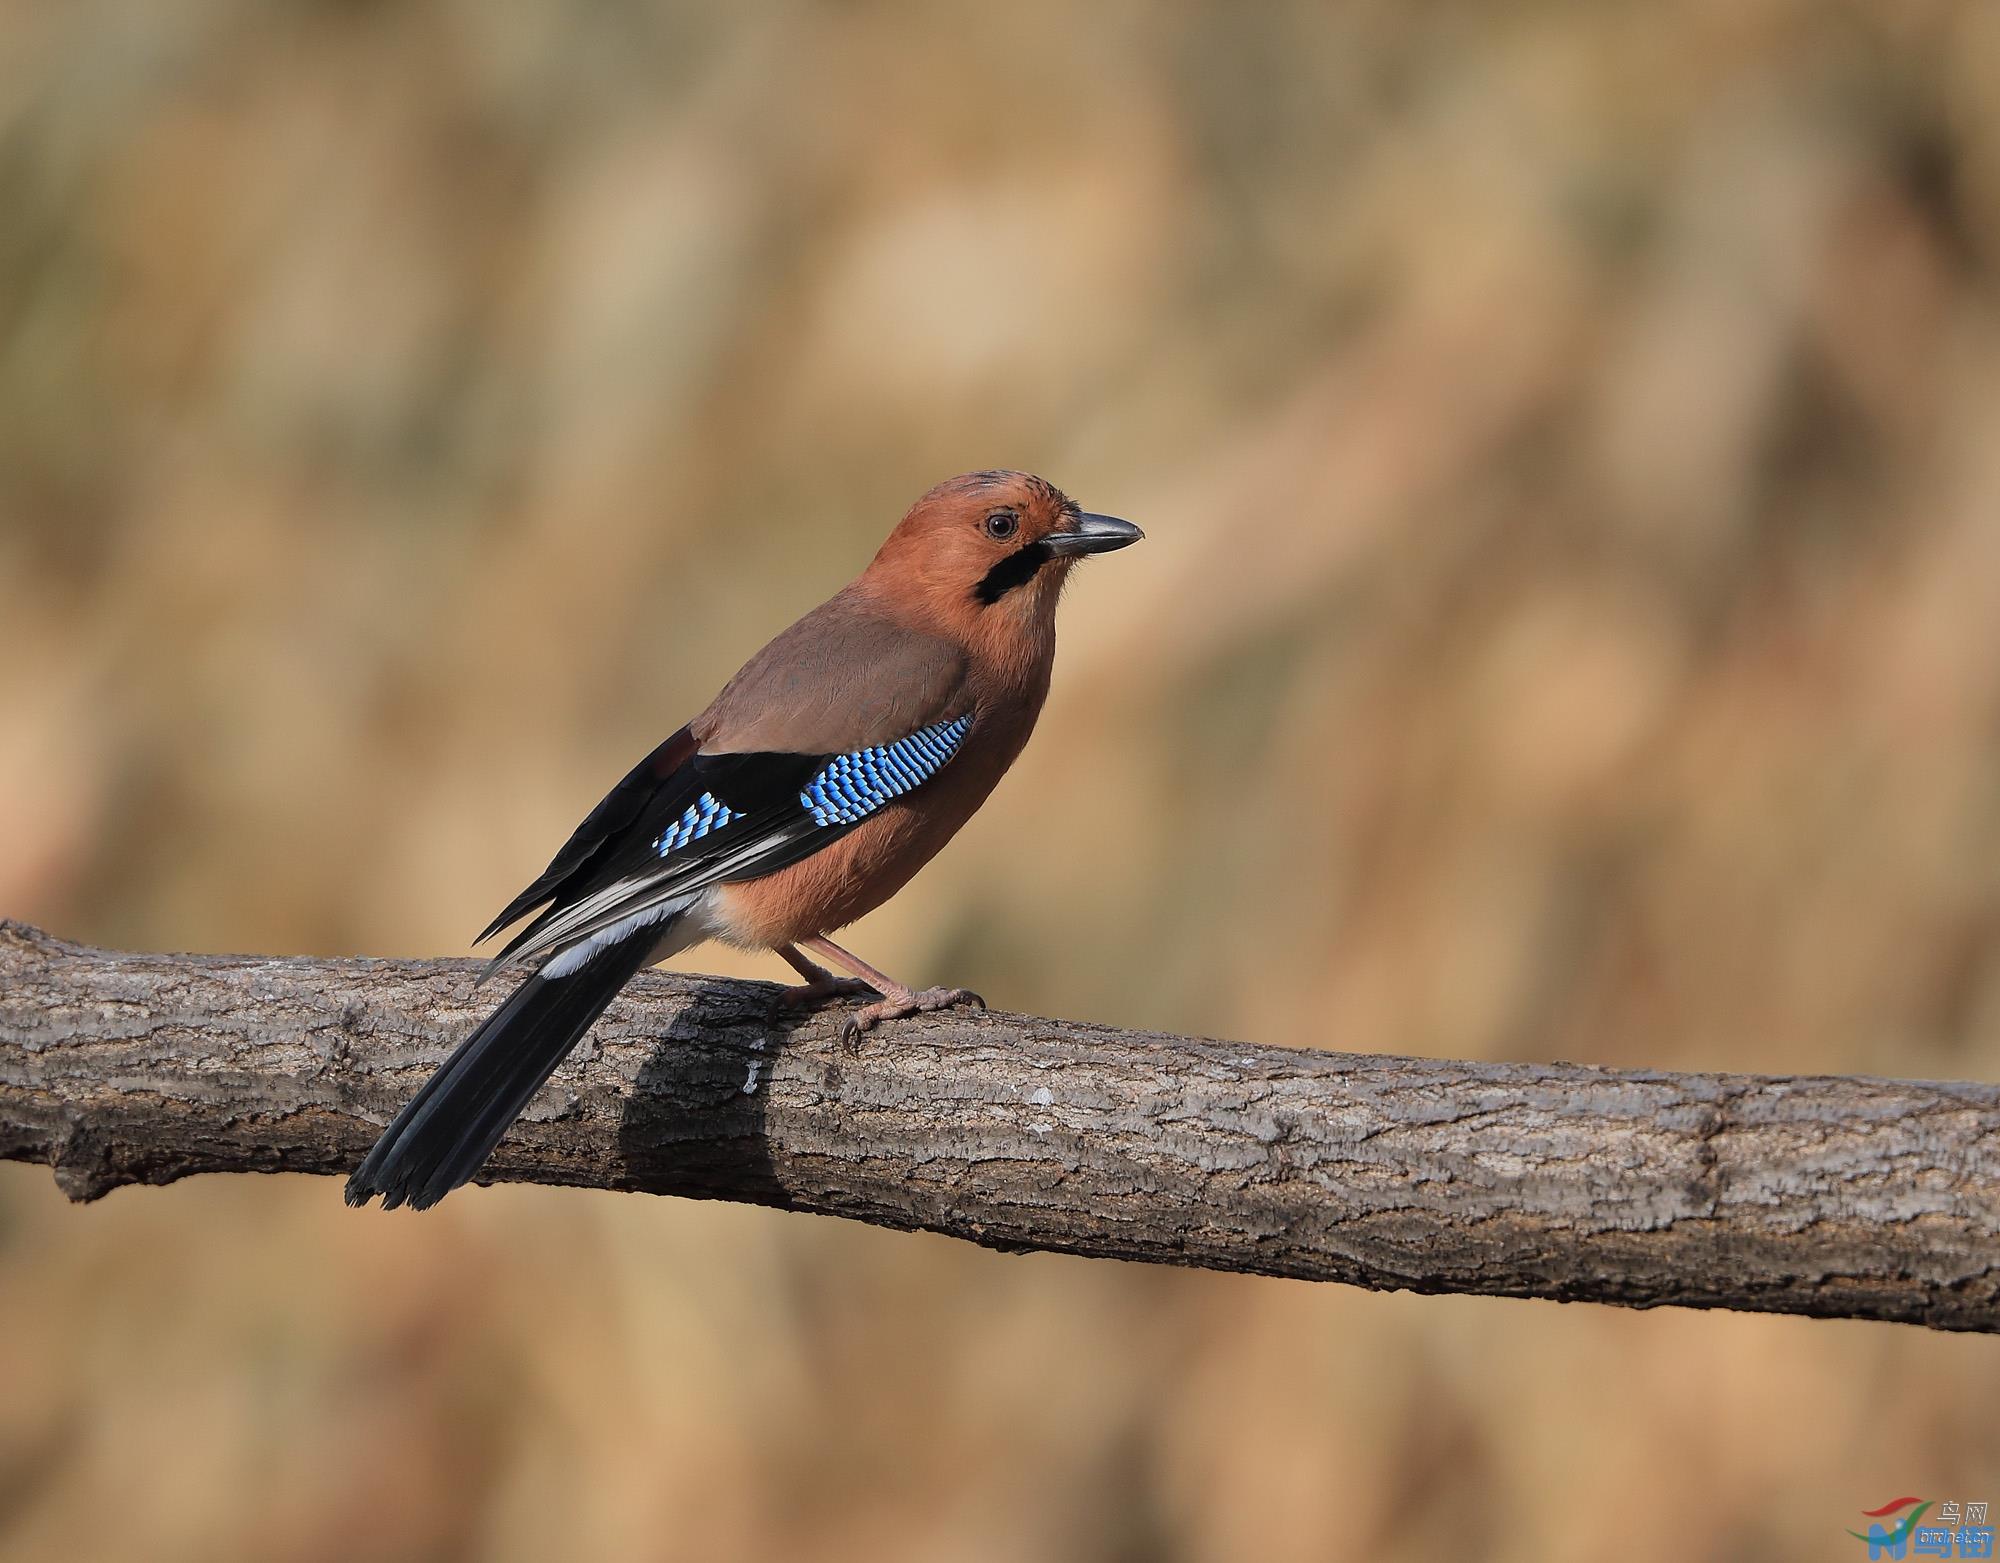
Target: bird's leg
pixel 897 1001
pixel 820 984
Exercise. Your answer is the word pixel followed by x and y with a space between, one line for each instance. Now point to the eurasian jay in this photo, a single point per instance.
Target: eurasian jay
pixel 827 772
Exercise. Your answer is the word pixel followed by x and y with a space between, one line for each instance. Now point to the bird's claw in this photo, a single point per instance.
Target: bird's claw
pixel 927 1002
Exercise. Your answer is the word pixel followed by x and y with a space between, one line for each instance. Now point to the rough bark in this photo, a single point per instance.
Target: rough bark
pixel 1856 1198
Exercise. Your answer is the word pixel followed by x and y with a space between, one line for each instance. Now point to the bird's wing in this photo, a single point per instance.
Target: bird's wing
pixel 703 809
pixel 661 776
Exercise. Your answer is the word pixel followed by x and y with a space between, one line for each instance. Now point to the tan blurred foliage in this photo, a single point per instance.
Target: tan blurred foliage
pixel 1570 442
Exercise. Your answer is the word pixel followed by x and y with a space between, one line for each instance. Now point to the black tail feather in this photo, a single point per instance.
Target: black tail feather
pixel 450 1126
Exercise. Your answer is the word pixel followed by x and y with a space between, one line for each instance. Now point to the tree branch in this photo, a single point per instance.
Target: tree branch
pixel 1852 1198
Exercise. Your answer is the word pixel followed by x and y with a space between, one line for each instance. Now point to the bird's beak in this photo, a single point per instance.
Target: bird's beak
pixel 1089 534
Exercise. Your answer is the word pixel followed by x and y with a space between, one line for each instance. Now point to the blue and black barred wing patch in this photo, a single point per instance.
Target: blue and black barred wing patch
pixel 853 786
pixel 706 814
pixel 722 819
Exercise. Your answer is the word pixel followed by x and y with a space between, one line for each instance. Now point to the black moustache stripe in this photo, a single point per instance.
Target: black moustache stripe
pixel 1017 569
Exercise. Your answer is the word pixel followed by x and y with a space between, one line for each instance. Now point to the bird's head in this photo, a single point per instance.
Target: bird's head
pixel 990 550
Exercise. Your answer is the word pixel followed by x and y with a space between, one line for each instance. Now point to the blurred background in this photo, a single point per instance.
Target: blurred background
pixel 1569 438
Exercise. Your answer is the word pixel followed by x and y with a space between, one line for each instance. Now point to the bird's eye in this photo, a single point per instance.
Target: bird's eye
pixel 1002 524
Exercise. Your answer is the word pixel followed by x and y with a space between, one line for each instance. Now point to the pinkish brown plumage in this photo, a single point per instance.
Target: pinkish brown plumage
pixel 837 763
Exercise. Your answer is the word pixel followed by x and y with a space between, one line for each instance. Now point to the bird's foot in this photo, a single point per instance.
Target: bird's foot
pixel 820 984
pixel 823 988
pixel 903 1005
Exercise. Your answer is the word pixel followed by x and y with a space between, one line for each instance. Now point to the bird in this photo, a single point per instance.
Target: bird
pixel 836 763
